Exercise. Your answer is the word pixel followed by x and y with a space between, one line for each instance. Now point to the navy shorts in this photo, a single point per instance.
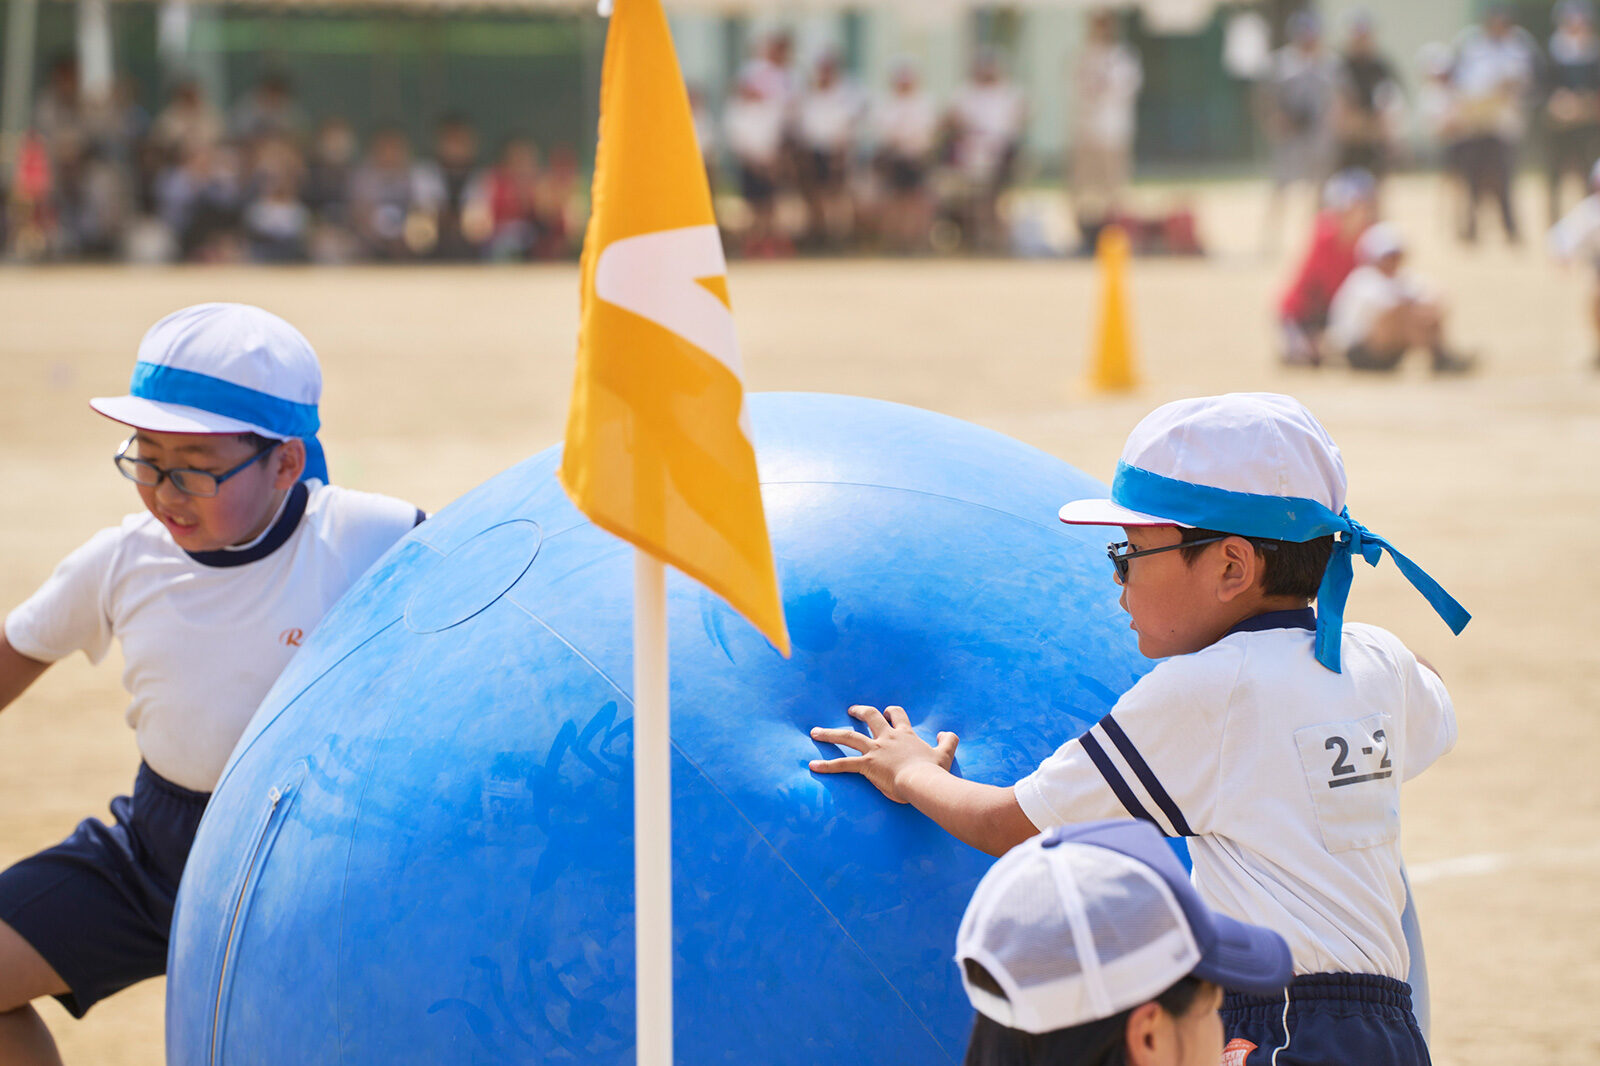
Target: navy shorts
pixel 1333 1019
pixel 98 905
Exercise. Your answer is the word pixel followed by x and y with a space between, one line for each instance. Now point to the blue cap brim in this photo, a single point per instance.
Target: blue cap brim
pixel 1246 958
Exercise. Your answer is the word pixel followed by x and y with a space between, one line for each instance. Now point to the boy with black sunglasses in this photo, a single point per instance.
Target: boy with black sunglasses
pixel 1273 736
pixel 242 547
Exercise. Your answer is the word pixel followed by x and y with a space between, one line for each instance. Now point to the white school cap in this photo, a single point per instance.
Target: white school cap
pixel 224 368
pixel 1260 443
pixel 1379 241
pixel 1259 465
pixel 1083 922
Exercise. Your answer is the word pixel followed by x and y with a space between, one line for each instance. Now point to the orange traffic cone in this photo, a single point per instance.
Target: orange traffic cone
pixel 1113 367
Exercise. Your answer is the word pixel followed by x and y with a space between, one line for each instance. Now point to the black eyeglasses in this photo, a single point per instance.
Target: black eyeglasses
pixel 187 480
pixel 1119 558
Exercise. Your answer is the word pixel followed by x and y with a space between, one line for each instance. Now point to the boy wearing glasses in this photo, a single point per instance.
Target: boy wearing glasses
pixel 243 545
pixel 1272 735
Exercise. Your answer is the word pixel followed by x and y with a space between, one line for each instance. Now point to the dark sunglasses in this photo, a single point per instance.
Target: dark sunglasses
pixel 1119 558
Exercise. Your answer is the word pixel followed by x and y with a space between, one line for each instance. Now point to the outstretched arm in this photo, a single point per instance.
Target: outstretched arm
pixel 17 671
pixel 907 769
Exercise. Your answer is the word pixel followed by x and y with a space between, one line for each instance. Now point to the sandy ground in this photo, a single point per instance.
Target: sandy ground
pixel 437 379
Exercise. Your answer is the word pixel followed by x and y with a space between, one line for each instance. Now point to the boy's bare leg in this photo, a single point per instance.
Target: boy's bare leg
pixel 24 977
pixel 1391 330
pixel 24 1040
pixel 1424 325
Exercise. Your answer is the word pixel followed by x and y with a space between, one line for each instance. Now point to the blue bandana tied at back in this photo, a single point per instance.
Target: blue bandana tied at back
pixel 1289 518
pixel 188 388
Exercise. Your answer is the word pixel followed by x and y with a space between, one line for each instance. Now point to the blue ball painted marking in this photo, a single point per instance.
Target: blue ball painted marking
pixel 421 851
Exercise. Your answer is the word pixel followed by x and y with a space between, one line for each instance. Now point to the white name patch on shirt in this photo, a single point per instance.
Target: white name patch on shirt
pixel 1344 763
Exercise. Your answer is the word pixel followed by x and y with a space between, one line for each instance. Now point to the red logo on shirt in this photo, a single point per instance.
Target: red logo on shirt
pixel 1237 1051
pixel 292 637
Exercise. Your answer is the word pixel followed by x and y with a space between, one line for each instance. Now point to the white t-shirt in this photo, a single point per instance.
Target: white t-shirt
pixel 1364 295
pixel 755 130
pixel 826 119
pixel 990 119
pixel 1284 775
pixel 202 643
pixel 906 125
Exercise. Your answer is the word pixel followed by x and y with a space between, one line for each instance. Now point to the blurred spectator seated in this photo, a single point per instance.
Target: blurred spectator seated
pixel 452 174
pixel 561 205
pixel 1382 312
pixel 186 126
pixel 268 110
pixel 529 211
pixel 277 224
pixel 754 126
pixel 906 131
pixel 276 221
pixel 326 192
pixel 393 201
pixel 825 132
pixel 987 118
pixel 201 201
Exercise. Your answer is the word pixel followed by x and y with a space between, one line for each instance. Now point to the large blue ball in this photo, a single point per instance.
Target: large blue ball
pixel 421 851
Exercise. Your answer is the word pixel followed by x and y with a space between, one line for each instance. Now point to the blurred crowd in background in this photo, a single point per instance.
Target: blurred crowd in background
pixel 802 158
pixel 190 183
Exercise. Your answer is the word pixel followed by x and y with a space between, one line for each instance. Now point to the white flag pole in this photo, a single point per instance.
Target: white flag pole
pixel 652 813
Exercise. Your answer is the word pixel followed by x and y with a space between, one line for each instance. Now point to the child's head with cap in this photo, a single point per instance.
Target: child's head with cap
pixel 1381 245
pixel 215 387
pixel 1256 486
pixel 1088 945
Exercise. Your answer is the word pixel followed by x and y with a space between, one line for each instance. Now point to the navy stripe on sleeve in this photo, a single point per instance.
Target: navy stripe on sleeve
pixel 1146 776
pixel 1102 762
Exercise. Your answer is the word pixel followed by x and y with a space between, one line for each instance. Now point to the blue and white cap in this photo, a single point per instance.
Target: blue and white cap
pixel 1259 465
pixel 1083 922
pixel 225 368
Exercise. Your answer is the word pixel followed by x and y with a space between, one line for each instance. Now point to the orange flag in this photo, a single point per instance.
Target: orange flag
pixel 658 446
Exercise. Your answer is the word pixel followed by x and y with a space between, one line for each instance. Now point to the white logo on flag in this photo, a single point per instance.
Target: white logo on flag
pixel 655 276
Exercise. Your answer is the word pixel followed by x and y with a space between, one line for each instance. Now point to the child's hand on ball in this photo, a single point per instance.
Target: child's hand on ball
pixel 890 756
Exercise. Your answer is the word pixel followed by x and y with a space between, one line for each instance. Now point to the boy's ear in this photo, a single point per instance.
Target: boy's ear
pixel 289 462
pixel 1241 568
pixel 1145 1037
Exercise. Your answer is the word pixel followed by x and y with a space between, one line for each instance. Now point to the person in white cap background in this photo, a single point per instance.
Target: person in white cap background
pixel 1087 946
pixel 1576 238
pixel 1383 311
pixel 241 548
pixel 1273 736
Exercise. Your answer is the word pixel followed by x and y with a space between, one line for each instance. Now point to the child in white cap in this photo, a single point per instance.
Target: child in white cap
pixel 242 547
pixel 1383 311
pixel 1087 946
pixel 1273 736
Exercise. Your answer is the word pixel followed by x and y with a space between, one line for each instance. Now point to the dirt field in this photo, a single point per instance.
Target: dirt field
pixel 437 379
